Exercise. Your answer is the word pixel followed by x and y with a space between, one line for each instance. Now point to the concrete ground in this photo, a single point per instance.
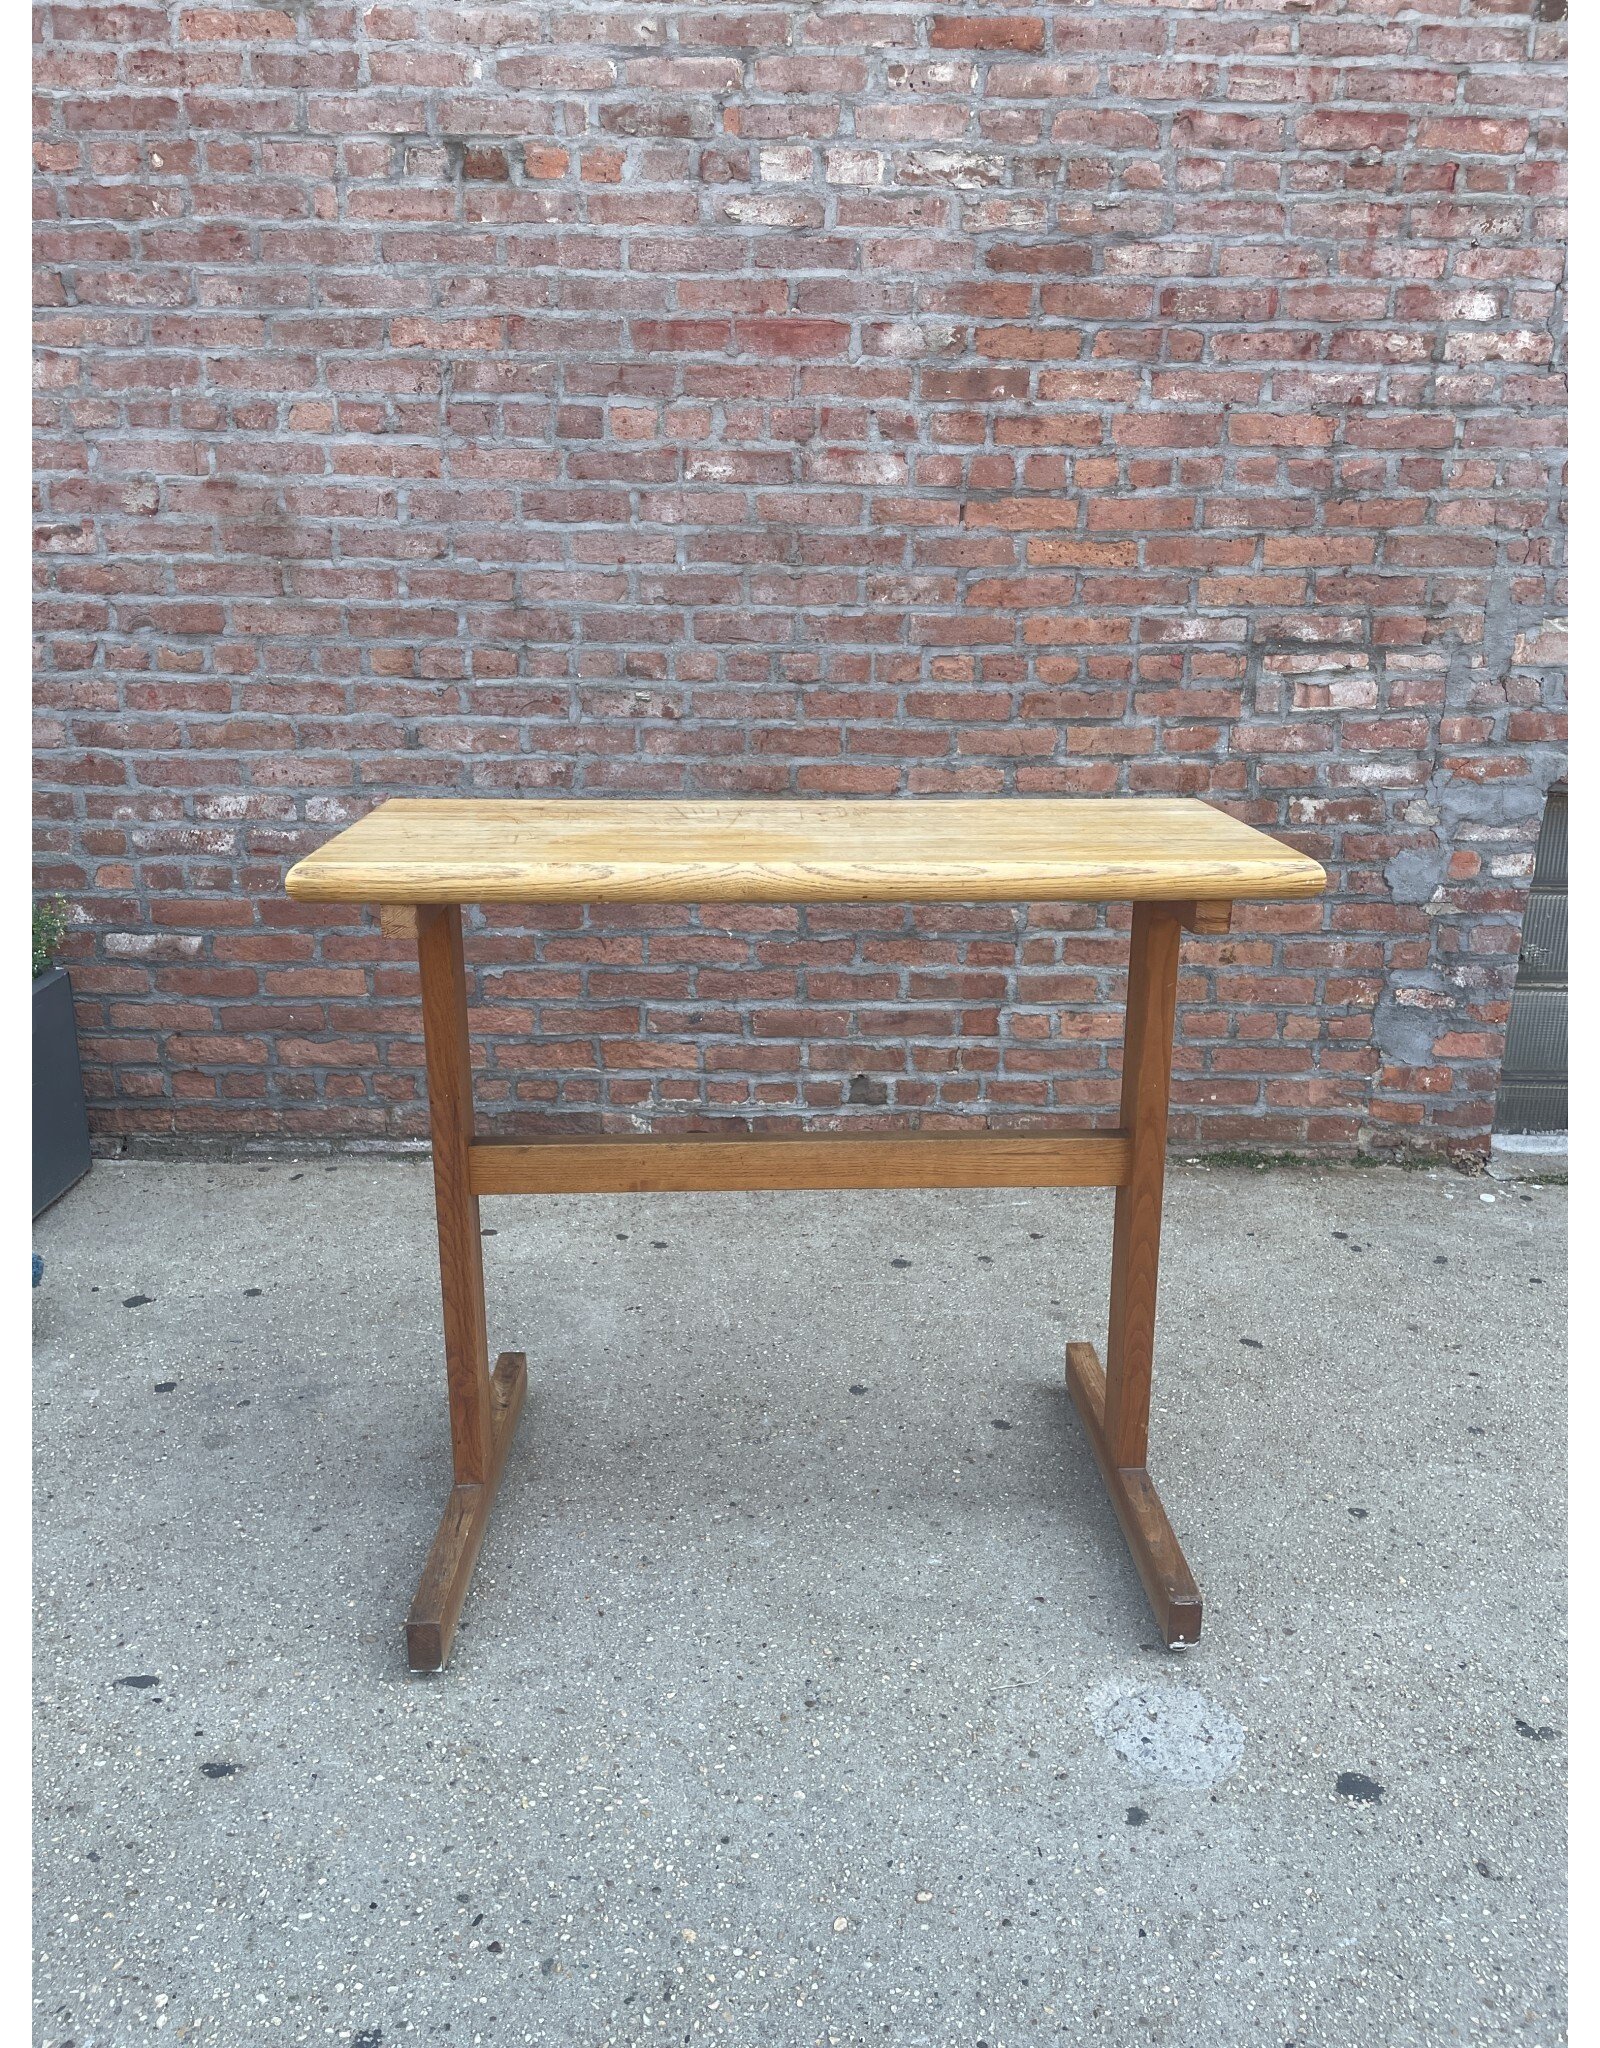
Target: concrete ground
pixel 806 1693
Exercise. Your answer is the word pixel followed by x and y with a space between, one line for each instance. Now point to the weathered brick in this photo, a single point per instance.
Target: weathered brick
pixel 1070 401
pixel 998 32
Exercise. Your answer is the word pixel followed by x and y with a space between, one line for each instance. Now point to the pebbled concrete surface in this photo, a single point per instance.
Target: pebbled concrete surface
pixel 806 1694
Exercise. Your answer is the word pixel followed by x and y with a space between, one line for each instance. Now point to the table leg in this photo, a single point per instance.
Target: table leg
pixel 483 1406
pixel 1115 1405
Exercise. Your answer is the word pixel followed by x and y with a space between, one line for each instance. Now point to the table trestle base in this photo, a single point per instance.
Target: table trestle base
pixel 1114 1403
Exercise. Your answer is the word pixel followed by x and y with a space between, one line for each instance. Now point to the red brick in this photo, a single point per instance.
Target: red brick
pixel 1105 401
pixel 998 32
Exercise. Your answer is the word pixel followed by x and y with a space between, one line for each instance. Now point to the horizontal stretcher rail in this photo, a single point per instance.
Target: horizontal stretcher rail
pixel 621 1166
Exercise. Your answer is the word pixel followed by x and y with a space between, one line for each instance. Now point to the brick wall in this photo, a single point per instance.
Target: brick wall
pixel 1071 398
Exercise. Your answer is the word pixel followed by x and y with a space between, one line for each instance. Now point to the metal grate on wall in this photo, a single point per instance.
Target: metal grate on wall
pixel 1533 1078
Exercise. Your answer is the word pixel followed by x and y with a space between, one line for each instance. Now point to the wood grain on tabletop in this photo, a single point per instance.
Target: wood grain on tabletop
pixel 930 849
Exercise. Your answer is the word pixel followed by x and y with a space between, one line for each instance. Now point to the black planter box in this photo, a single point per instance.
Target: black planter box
pixel 60 1122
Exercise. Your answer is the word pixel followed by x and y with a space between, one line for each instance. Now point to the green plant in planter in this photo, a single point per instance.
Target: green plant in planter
pixel 49 929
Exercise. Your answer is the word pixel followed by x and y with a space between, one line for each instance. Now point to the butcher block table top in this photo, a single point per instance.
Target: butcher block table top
pixel 774 850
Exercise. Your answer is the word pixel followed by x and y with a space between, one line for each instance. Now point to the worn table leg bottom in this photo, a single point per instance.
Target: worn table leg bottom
pixel 431 1624
pixel 1168 1582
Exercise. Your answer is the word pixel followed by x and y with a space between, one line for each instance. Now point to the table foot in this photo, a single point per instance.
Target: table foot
pixel 431 1624
pixel 1168 1582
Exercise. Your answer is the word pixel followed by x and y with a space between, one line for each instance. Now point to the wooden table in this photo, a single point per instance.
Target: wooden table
pixel 1182 865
